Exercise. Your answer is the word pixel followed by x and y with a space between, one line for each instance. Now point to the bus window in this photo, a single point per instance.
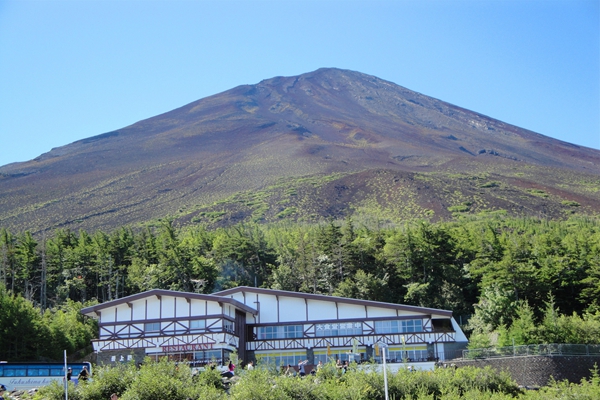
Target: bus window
pixel 15 372
pixel 37 371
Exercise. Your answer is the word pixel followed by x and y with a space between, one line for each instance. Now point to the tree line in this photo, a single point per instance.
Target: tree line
pixel 487 264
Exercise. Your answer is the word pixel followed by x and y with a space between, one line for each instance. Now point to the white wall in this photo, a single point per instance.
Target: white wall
pixel 320 310
pixel 291 309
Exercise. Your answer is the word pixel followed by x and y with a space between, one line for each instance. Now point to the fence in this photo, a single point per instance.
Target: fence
pixel 553 349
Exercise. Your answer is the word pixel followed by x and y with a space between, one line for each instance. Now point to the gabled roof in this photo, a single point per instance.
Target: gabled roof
pixel 160 292
pixel 321 297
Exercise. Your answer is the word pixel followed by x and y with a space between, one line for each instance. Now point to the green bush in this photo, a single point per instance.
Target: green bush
pixel 258 384
pixel 210 378
pixel 56 391
pixel 167 381
pixel 107 380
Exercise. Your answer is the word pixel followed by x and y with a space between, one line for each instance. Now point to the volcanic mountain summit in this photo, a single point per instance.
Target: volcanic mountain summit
pixel 328 143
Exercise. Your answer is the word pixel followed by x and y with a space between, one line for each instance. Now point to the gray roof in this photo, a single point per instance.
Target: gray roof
pixel 321 297
pixel 172 293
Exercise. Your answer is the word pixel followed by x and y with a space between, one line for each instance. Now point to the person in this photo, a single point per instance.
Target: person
pixel 301 369
pixel 231 367
pixel 319 365
pixel 250 366
pixel 2 390
pixel 84 374
pixel 289 371
pixel 69 373
pixel 114 396
pixel 226 370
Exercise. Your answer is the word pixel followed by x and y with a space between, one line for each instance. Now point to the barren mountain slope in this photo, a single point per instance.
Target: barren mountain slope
pixel 340 131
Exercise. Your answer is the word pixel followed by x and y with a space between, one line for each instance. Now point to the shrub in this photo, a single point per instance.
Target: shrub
pixel 258 384
pixel 56 391
pixel 107 380
pixel 166 380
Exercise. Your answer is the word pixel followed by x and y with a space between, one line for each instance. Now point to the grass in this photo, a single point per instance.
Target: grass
pixel 570 203
pixel 459 208
pixel 537 192
pixel 490 184
pixel 287 212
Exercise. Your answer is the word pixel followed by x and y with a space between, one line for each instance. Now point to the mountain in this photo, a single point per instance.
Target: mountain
pixel 326 143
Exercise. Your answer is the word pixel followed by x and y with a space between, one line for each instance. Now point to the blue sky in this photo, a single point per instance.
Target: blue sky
pixel 73 69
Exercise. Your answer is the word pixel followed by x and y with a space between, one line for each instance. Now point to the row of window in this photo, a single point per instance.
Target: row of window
pixel 340 354
pixel 338 329
pixel 197 325
pixel 279 332
pixel 413 353
pixel 296 331
pixel 409 353
pixel 10 370
pixel 399 326
pixel 207 356
pixel 282 359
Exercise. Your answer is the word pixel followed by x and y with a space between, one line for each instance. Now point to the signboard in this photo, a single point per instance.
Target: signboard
pixel 186 347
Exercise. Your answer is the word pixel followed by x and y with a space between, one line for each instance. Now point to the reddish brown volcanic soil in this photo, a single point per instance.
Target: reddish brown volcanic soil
pixel 326 143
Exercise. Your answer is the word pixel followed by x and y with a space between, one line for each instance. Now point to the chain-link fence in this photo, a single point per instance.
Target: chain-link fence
pixel 554 349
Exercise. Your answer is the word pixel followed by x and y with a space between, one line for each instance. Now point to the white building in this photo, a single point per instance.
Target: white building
pixel 270 325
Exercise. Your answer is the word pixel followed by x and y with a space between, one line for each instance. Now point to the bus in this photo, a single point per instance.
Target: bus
pixel 30 375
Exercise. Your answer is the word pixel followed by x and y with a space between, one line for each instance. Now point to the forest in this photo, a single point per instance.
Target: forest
pixel 523 279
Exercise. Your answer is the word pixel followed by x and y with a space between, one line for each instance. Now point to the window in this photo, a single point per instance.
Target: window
pixel 339 329
pixel 208 356
pixel 293 331
pixel 197 325
pixel 279 332
pixel 344 354
pixel 410 353
pixel 267 332
pixel 152 328
pixel 399 326
pixel 38 372
pixel 386 326
pixel 228 326
pixel 282 358
pixel 10 372
pixel 412 325
pixel 57 371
